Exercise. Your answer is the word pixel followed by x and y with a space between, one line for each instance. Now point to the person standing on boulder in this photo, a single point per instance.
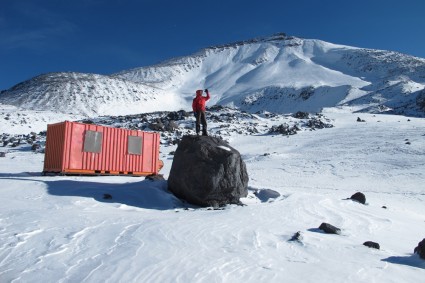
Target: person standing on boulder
pixel 198 106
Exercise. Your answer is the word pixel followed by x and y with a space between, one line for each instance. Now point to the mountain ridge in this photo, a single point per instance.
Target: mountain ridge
pixel 279 73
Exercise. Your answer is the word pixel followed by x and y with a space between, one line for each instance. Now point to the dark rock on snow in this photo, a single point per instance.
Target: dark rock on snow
pixel 107 196
pixel 2 154
pixel 372 245
pixel 155 177
pixel 359 197
pixel 420 249
pixel 284 129
pixel 329 229
pixel 35 147
pixel 301 115
pixel 316 123
pixel 297 237
pixel 206 171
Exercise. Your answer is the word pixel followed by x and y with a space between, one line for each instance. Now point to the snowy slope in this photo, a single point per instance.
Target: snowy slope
pixel 60 229
pixel 86 94
pixel 279 74
pixel 288 74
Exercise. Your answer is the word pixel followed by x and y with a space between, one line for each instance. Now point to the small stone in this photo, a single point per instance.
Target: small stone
pixel 155 177
pixel 35 146
pixel 359 197
pixel 2 154
pixel 372 245
pixel 107 196
pixel 329 229
pixel 297 237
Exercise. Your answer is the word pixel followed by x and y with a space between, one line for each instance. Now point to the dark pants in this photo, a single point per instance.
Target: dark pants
pixel 200 119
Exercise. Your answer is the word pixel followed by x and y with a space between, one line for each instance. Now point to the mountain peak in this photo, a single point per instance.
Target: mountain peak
pixel 275 37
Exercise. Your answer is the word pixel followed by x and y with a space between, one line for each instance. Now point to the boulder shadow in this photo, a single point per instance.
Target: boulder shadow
pixel 146 194
pixel 316 230
pixel 413 260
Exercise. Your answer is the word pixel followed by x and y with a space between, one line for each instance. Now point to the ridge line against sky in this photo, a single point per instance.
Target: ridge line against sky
pixel 105 37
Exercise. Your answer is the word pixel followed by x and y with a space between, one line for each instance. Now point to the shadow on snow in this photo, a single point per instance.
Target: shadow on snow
pixel 144 194
pixel 413 260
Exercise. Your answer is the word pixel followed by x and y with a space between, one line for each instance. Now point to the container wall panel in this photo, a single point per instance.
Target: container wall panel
pixel 84 148
pixel 53 161
pixel 147 152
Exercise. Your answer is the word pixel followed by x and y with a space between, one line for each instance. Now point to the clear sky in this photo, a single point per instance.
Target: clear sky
pixel 104 37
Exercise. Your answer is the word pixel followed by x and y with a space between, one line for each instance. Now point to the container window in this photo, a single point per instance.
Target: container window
pixel 93 141
pixel 134 145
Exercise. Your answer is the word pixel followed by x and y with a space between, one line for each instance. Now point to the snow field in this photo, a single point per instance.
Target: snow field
pixel 60 229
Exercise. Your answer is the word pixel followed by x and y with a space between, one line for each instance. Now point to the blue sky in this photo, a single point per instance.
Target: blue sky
pixel 104 37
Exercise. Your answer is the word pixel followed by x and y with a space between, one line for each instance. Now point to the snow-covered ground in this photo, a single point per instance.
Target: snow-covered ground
pixel 61 229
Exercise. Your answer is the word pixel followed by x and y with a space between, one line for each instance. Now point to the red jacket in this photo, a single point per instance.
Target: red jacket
pixel 198 103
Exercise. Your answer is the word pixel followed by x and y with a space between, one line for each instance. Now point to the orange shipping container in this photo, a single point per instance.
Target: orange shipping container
pixel 76 148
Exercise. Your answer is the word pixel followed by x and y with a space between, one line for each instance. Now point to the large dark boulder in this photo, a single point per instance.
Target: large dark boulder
pixel 206 171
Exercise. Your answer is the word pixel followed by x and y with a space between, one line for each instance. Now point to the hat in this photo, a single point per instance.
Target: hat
pixel 199 92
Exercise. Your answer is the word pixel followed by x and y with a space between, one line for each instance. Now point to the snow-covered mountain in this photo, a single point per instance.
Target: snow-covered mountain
pixel 279 74
pixel 125 229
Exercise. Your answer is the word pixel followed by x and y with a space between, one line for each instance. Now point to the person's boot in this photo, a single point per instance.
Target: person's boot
pixel 204 132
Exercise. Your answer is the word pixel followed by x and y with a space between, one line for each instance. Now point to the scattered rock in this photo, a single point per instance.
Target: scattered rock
pixel 316 123
pixel 158 126
pixel 408 142
pixel 170 126
pixel 359 197
pixel 360 120
pixel 301 115
pixel 284 129
pixel 107 196
pixel 35 147
pixel 155 177
pixel 420 100
pixel 178 115
pixel 206 171
pixel 384 207
pixel 2 154
pixel 420 249
pixel 329 229
pixel 297 237
pixel 372 245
